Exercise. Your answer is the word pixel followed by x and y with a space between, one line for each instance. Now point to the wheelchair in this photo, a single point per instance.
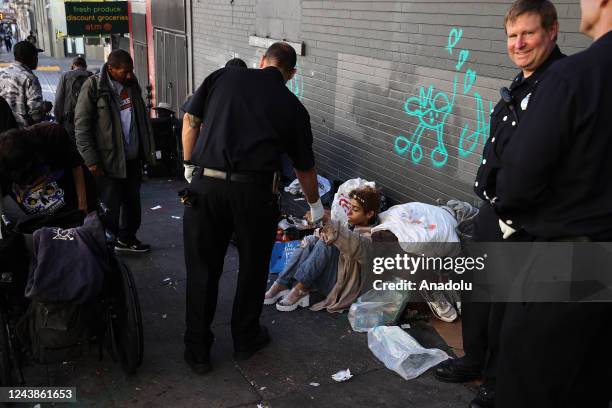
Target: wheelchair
pixel 113 318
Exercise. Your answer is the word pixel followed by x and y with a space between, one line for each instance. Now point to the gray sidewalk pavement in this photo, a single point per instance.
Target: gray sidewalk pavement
pixel 307 347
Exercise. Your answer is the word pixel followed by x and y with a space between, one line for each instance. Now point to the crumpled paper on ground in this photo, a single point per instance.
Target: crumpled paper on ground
pixel 342 375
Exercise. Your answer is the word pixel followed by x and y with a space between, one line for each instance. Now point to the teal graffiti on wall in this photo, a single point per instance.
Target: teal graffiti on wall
pixel 296 84
pixel 432 108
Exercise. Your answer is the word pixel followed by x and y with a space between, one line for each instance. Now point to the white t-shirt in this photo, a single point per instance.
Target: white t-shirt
pixel 126 113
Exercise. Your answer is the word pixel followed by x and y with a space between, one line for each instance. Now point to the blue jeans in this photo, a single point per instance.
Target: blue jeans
pixel 315 266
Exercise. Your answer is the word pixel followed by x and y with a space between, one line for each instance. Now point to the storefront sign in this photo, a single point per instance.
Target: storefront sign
pixel 97 18
pixel 7 16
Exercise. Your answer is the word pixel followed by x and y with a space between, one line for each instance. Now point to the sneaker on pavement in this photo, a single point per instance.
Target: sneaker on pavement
pixel 439 305
pixel 131 246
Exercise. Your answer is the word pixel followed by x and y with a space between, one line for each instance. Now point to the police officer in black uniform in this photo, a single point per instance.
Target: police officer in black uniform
pixel 531 28
pixel 236 126
pixel 555 184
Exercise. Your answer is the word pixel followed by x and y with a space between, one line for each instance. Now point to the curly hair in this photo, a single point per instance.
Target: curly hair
pixel 368 198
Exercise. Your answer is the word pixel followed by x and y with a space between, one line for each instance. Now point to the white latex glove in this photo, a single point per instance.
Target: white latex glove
pixel 316 211
pixel 189 168
pixel 506 229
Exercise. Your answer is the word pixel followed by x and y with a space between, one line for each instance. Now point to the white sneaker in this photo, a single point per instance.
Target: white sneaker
pixel 439 305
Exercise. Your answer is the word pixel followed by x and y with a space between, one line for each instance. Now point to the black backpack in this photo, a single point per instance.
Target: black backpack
pixel 73 88
pixel 56 332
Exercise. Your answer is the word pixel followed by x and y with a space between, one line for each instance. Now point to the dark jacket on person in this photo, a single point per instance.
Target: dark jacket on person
pixel 63 109
pixel 555 175
pixel 7 119
pixel 98 129
pixel 504 123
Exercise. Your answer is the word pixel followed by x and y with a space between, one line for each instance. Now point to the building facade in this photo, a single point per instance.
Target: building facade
pixel 399 92
pixel 24 15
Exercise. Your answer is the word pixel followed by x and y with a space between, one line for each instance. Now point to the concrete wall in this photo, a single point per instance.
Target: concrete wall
pixel 398 91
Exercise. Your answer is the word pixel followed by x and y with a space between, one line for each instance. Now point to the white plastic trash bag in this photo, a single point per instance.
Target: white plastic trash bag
pixel 342 204
pixel 401 353
pixel 421 228
pixel 324 186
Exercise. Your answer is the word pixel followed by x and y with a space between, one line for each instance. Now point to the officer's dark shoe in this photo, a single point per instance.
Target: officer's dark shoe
pixel 485 397
pixel 457 371
pixel 199 362
pixel 260 341
pixel 132 245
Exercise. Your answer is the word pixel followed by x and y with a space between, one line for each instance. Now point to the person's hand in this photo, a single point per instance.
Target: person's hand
pixel 506 229
pixel 317 233
pixel 316 212
pixel 189 168
pixel 96 170
pixel 326 216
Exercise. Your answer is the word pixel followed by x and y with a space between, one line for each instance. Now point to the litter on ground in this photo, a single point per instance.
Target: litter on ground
pixel 342 375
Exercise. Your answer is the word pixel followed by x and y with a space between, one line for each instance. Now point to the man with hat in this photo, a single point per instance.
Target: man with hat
pixel 167 131
pixel 20 87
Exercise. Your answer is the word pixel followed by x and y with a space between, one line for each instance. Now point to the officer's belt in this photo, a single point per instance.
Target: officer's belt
pixel 259 178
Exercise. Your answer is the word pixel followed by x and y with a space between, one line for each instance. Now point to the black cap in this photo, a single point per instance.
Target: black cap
pixel 25 50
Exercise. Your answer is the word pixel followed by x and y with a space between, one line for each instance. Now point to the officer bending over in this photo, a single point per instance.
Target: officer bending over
pixel 236 126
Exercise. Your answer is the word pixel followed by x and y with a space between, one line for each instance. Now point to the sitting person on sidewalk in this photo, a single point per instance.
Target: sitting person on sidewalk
pixel 330 261
pixel 41 169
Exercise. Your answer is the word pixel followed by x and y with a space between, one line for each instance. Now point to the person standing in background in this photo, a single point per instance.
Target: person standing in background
pixel 20 87
pixel 67 93
pixel 114 135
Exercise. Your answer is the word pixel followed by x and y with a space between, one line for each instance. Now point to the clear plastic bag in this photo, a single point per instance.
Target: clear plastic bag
pixel 377 308
pixel 401 353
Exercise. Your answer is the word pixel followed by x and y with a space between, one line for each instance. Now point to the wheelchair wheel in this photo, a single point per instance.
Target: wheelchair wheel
pixel 5 352
pixel 126 321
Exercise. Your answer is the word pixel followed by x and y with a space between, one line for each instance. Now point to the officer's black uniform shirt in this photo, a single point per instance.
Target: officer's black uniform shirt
pixel 249 119
pixel 555 178
pixel 503 126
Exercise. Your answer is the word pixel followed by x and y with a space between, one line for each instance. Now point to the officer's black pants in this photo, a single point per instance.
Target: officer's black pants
pixel 555 355
pixel 481 321
pixel 249 210
pixel 122 198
